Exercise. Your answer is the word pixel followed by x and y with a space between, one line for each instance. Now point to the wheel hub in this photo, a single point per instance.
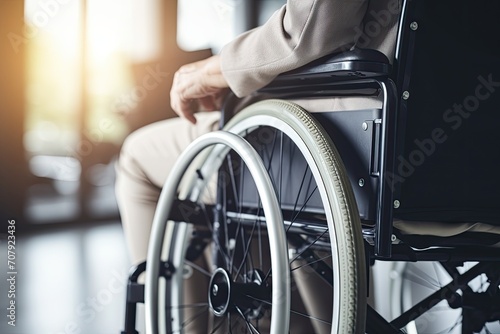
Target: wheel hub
pixel 219 292
pixel 226 296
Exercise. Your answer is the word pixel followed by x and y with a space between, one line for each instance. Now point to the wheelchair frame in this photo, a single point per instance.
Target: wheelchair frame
pixel 348 74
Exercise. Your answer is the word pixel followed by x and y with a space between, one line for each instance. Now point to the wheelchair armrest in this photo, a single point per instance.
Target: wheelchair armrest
pixel 344 66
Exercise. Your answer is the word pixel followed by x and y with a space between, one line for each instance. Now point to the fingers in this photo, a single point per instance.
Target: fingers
pixel 187 110
pixel 183 107
pixel 188 95
pixel 178 102
pixel 214 101
pixel 196 85
pixel 207 103
pixel 193 66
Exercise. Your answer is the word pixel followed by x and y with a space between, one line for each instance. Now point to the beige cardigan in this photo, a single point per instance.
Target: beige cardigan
pixel 304 30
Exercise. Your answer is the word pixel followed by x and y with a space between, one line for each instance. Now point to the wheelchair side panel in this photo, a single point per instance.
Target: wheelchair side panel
pixel 355 135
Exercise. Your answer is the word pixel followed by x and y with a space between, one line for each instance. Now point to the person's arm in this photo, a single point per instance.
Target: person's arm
pixel 298 33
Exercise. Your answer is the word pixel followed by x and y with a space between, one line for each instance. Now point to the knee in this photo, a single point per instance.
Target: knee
pixel 135 143
pixel 132 143
pixel 127 161
pixel 143 150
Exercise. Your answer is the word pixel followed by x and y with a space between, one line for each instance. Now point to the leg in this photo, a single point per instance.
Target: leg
pixel 145 161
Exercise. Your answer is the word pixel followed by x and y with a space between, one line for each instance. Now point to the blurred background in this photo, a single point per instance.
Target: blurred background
pixel 76 77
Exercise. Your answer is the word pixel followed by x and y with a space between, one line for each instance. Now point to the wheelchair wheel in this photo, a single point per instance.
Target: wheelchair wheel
pixel 325 247
pixel 467 310
pixel 319 209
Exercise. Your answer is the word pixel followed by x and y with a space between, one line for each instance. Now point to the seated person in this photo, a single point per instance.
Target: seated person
pixel 298 33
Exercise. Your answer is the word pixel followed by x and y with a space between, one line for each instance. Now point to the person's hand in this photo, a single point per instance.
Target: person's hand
pixel 198 86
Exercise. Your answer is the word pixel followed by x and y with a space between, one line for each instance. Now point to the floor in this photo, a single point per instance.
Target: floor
pixel 71 280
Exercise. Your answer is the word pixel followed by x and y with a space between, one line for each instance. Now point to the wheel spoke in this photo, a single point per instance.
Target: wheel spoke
pixel 420 277
pixel 248 323
pixel 216 240
pixel 189 321
pixel 298 193
pixel 217 327
pixel 233 182
pixel 240 209
pixel 293 311
pixel 271 157
pixel 298 255
pixel 232 266
pixel 303 207
pixel 309 246
pixel 200 269
pixel 312 262
pixel 247 248
pixel 311 317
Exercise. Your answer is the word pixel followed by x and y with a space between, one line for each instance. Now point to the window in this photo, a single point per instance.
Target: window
pixel 79 69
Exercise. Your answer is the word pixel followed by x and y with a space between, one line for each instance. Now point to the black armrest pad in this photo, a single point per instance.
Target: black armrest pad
pixel 367 55
pixel 348 65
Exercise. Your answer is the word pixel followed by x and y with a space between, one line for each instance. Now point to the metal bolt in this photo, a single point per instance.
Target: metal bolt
pixel 215 290
pixel 361 182
pixel 414 26
pixel 364 126
pixel 397 204
pixel 406 95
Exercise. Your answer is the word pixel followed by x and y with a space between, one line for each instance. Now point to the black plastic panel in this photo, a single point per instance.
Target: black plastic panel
pixel 355 144
pixel 358 149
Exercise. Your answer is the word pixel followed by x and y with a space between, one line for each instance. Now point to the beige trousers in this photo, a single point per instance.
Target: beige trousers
pixel 146 158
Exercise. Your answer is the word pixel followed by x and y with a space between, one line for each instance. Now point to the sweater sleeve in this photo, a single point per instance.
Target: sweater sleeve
pixel 298 33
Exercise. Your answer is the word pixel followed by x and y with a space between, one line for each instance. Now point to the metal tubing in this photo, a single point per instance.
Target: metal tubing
pixel 279 250
pixel 383 231
pixel 443 293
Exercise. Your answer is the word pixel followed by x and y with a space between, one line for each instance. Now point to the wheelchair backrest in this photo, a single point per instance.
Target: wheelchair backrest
pixel 448 74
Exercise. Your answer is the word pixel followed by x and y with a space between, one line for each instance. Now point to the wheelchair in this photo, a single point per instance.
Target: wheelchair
pixel 280 215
